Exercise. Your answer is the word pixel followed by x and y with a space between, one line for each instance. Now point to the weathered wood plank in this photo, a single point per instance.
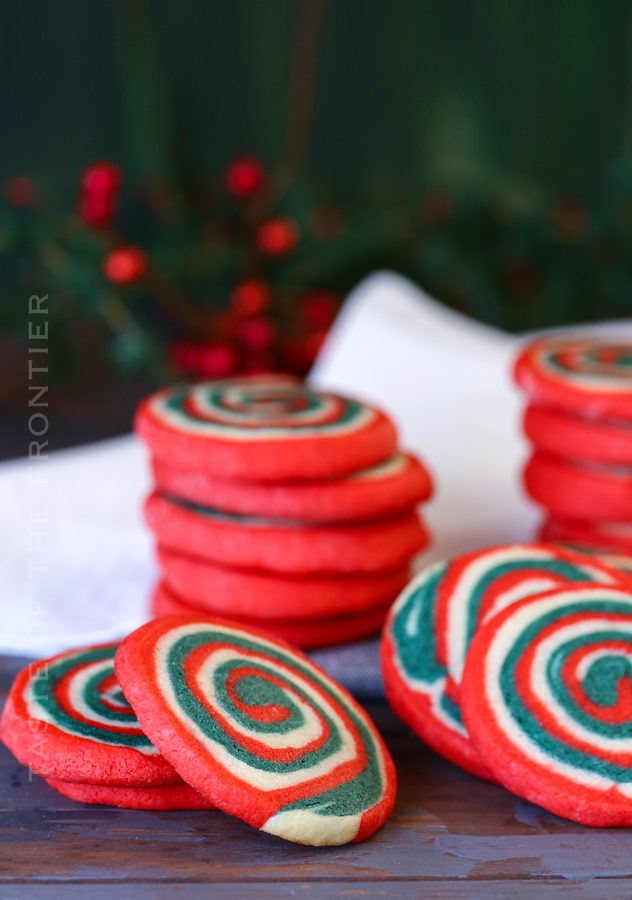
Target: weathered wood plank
pixel 608 889
pixel 447 827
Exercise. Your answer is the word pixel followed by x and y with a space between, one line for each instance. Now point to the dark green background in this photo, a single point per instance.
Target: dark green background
pixel 500 91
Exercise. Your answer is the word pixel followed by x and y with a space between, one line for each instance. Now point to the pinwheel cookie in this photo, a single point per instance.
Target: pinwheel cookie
pixel 257 728
pixel 547 699
pixel 264 428
pixel 67 719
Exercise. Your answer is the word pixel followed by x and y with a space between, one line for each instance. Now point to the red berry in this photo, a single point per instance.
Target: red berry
pixel 101 179
pixel 319 309
pixel 214 360
pixel 278 236
pixel 256 334
pixel 251 297
pixel 95 210
pixel 19 190
pixel 125 265
pixel 245 177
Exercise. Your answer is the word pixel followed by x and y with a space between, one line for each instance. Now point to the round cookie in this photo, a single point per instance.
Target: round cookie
pixel 263 428
pixel 172 796
pixel 591 377
pixel 281 546
pixel 67 719
pixel 261 595
pixel 257 728
pixel 477 585
pixel 547 699
pixel 580 437
pixel 429 628
pixel 415 681
pixel 306 633
pixel 575 491
pixel 396 484
pixel 592 535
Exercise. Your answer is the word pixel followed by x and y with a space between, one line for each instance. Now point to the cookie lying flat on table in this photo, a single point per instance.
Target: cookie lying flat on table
pixel 592 377
pixel 580 437
pixel 260 730
pixel 253 594
pixel 306 633
pixel 67 719
pixel 547 699
pixel 430 627
pixel 392 486
pixel 580 490
pixel 284 546
pixel 264 428
pixel 594 535
pixel 172 796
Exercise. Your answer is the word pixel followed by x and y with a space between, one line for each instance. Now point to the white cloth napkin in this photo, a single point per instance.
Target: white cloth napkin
pixel 444 378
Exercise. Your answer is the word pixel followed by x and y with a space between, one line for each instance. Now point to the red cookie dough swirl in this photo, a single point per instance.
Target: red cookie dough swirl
pixel 591 377
pixel 67 719
pixel 394 485
pixel 264 428
pixel 257 728
pixel 547 699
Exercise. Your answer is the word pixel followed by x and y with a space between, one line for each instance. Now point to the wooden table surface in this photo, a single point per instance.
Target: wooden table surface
pixel 451 836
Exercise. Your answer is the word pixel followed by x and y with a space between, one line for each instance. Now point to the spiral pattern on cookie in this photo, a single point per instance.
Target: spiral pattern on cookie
pixel 258 408
pixel 411 628
pixel 273 723
pixel 478 585
pixel 591 365
pixel 79 694
pixel 556 677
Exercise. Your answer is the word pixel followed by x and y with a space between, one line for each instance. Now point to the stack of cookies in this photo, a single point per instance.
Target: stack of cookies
pixel 513 662
pixel 579 420
pixel 280 506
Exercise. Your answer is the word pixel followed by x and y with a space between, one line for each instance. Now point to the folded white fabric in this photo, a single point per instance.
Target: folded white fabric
pixel 76 562
pixel 447 382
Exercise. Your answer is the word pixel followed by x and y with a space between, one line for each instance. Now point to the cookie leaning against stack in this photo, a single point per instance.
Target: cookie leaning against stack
pixel 579 420
pixel 281 505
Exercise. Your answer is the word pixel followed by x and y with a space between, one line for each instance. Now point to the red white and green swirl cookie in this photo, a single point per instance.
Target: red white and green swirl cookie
pixel 415 681
pixel 274 545
pixel 430 627
pixel 264 428
pixel 547 699
pixel 396 484
pixel 589 534
pixel 478 585
pixel 579 437
pixel 592 377
pixel 67 719
pixel 263 595
pixel 257 728
pixel 171 796
pixel 305 633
